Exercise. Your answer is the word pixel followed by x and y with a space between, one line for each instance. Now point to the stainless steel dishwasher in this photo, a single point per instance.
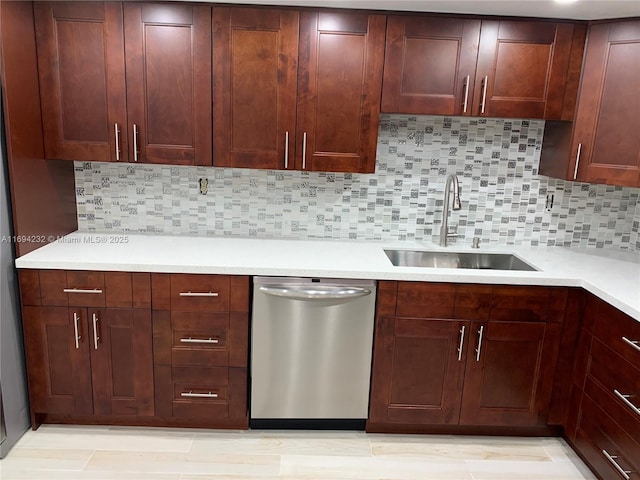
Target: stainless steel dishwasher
pixel 311 346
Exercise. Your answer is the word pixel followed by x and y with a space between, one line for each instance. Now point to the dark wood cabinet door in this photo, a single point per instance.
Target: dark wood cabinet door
pixel 339 88
pixel 57 350
pixel 168 72
pixel 522 69
pixel 82 80
pixel 418 371
pixel 606 143
pixel 509 373
pixel 430 65
pixel 255 70
pixel 120 341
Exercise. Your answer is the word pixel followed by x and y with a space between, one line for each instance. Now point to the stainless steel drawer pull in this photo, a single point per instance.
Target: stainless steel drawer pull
pixel 199 395
pixel 82 290
pixel 95 332
pixel 466 94
pixel 479 343
pixel 286 149
pixel 75 330
pixel 461 342
pixel 135 143
pixel 117 132
pixel 198 294
pixel 612 459
pixel 575 171
pixel 634 343
pixel 199 340
pixel 625 399
pixel 485 81
pixel 304 151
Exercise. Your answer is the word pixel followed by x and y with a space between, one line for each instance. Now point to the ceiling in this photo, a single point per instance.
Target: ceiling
pixel 580 10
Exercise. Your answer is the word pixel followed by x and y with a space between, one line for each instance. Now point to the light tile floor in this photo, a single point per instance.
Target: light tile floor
pixel 127 453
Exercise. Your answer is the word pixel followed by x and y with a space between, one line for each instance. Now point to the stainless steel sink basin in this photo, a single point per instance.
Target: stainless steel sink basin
pixel 472 260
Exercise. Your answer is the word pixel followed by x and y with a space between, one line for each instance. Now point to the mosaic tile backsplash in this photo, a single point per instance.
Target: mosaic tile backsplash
pixel 496 161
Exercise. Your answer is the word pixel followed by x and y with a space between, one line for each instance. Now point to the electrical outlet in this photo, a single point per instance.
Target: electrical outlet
pixel 204 185
pixel 549 202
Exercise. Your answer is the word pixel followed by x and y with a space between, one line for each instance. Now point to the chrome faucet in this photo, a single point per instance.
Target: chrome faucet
pixel 444 229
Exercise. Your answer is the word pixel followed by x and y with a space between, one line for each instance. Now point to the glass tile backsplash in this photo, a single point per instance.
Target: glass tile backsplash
pixel 504 200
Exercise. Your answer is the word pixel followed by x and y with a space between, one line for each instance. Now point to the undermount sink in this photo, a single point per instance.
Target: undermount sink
pixel 472 260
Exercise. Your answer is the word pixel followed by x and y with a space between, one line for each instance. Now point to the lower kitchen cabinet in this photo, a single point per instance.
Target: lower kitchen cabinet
pixel 436 367
pixel 417 371
pixel 98 354
pixel 201 349
pixel 508 372
pixel 213 395
pixel 88 345
pixel 604 414
pixel 59 371
pixel 86 361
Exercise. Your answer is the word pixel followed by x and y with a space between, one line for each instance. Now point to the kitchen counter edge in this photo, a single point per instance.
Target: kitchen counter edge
pixel 612 275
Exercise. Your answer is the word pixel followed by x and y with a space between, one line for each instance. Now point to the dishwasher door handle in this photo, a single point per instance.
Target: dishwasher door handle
pixel 311 293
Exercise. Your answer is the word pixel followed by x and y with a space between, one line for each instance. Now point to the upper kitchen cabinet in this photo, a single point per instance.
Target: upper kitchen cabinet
pixel 168 65
pixel 255 72
pixel 297 90
pixel 81 67
pixel 339 88
pixel 430 65
pixel 158 112
pixel 457 66
pixel 602 145
pixel 523 69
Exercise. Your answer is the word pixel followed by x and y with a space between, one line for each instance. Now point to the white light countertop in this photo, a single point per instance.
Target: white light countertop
pixel 612 275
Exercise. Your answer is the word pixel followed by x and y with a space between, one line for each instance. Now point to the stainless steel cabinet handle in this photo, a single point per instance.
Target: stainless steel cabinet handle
pixel 484 94
pixel 198 294
pixel 117 132
pixel 304 151
pixel 82 290
pixel 479 343
pixel 199 395
pixel 466 94
pixel 309 293
pixel 75 330
pixel 286 150
pixel 135 142
pixel 575 171
pixel 625 399
pixel 634 343
pixel 95 332
pixel 612 459
pixel 199 340
pixel 461 342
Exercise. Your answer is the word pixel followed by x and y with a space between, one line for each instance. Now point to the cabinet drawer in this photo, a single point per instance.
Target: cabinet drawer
pixel 613 372
pixel 620 332
pixel 194 391
pixel 206 393
pixel 85 288
pixel 200 293
pixel 208 293
pixel 603 442
pixel 621 412
pixel 200 338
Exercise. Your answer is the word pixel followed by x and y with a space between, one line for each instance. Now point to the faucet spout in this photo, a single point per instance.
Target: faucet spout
pixel 450 184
